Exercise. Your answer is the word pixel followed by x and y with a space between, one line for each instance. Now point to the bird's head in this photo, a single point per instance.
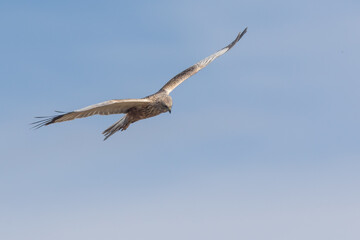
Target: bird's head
pixel 166 103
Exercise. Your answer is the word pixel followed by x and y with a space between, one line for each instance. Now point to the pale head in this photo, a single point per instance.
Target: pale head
pixel 165 103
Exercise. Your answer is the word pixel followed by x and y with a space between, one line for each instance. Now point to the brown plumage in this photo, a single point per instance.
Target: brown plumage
pixel 137 109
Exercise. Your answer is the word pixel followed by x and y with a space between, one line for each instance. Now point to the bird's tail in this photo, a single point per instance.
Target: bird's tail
pixel 122 125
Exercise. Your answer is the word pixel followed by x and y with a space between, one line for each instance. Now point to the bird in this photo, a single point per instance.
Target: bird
pixel 136 109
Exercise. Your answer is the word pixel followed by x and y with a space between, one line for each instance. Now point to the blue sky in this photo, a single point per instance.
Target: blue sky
pixel 261 144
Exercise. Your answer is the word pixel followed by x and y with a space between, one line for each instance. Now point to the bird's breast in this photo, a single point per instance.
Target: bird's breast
pixel 138 113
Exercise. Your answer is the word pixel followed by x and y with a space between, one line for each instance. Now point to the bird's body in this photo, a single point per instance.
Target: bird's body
pixel 159 103
pixel 137 109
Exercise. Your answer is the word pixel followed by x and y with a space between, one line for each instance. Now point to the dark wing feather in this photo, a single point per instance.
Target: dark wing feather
pixel 178 79
pixel 104 108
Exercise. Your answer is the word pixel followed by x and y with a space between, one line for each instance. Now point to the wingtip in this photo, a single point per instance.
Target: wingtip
pixel 238 37
pixel 46 120
pixel 242 33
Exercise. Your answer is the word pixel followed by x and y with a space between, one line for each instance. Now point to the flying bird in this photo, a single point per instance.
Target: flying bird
pixel 137 109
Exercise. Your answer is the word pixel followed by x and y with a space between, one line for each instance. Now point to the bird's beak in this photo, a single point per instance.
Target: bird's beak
pixel 169 110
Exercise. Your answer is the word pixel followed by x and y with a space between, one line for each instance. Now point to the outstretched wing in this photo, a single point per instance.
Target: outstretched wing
pixel 175 81
pixel 104 108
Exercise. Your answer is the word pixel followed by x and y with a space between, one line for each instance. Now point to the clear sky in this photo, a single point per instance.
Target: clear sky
pixel 261 144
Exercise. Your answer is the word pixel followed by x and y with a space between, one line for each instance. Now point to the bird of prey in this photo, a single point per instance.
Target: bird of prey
pixel 137 109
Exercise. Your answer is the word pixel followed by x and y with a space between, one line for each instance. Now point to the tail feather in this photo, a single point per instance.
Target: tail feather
pixel 122 125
